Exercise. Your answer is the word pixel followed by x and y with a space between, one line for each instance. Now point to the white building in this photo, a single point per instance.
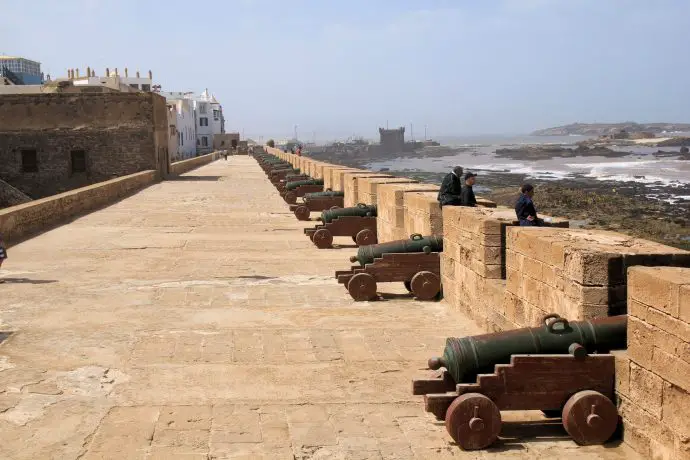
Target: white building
pixel 185 128
pixel 209 120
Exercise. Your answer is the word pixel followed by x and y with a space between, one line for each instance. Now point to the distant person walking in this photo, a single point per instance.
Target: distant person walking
pixel 451 188
pixel 3 255
pixel 525 210
pixel 467 197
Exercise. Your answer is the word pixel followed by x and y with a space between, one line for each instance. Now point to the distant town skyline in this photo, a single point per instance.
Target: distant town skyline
pixel 340 68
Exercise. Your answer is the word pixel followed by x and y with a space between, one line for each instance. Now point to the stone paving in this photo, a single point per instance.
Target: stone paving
pixel 194 320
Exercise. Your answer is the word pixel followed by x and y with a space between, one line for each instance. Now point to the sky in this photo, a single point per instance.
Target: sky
pixel 337 68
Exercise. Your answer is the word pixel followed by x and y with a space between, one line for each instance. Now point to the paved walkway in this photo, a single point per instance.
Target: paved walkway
pixel 194 320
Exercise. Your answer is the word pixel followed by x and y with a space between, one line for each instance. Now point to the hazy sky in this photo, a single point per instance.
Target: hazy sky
pixel 339 67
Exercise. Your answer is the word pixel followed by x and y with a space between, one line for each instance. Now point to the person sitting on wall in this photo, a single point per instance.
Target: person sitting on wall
pixel 299 151
pixel 451 188
pixel 3 255
pixel 524 208
pixel 467 197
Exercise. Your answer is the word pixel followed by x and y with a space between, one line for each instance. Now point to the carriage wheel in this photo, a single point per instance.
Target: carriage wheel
pixel 322 238
pixel 302 213
pixel 408 286
pixel 362 287
pixel 473 421
pixel 290 198
pixel 365 237
pixel 425 285
pixel 589 417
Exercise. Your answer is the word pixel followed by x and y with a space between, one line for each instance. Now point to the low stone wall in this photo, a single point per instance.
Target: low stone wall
pixel 653 377
pixel 181 167
pixel 25 220
pixel 11 196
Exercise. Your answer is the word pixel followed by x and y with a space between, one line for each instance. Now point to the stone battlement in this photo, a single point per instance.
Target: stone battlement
pixel 505 276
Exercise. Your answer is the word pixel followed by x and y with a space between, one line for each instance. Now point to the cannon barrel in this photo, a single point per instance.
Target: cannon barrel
pixel 296 177
pixel 416 243
pixel 466 357
pixel 286 170
pixel 361 210
pixel 325 194
pixel 299 183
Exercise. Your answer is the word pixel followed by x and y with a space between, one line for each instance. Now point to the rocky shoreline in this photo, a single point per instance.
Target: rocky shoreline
pixel 626 207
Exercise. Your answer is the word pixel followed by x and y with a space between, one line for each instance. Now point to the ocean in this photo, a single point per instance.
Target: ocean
pixel 478 154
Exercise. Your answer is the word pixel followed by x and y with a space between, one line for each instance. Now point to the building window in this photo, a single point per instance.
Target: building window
pixel 203 121
pixel 145 87
pixel 202 108
pixel 198 142
pixel 78 161
pixel 134 85
pixel 216 115
pixel 204 141
pixel 29 161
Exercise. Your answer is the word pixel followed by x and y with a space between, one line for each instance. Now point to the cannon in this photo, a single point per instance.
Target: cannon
pixel 290 178
pixel 416 262
pixel 276 175
pixel 358 222
pixel 416 243
pixel 296 189
pixel 361 210
pixel 317 201
pixel 551 368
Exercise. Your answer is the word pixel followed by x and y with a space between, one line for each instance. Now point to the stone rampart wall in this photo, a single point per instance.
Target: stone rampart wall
pixel 505 276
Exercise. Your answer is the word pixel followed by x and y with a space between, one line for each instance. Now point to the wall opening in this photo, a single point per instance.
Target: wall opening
pixel 78 161
pixel 29 161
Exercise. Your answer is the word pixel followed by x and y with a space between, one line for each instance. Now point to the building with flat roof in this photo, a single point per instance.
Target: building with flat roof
pixel 20 71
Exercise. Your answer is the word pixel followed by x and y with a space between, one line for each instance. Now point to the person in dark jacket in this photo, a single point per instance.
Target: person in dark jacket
pixel 3 255
pixel 467 197
pixel 524 208
pixel 451 188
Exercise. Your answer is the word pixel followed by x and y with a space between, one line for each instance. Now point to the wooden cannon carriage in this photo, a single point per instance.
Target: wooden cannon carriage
pixel 576 386
pixel 319 201
pixel 294 190
pixel 357 222
pixel 415 262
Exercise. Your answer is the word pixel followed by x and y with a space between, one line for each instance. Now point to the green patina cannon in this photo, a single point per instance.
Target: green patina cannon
pixel 549 368
pixel 296 189
pixel 358 222
pixel 295 184
pixel 416 262
pixel 416 243
pixel 324 194
pixel 361 210
pixel 466 357
pixel 317 201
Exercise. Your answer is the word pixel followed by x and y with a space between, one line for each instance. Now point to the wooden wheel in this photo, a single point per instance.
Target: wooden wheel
pixel 473 421
pixel 290 197
pixel 408 286
pixel 354 239
pixel 302 213
pixel 362 287
pixel 322 238
pixel 425 285
pixel 589 417
pixel 365 237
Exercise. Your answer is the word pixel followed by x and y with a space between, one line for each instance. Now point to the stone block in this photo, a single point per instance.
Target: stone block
pixel 684 303
pixel 669 324
pixel 671 369
pixel 422 214
pixel 370 185
pixel 646 389
pixel 622 373
pixel 351 185
pixel 658 287
pixel 640 342
pixel 676 408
